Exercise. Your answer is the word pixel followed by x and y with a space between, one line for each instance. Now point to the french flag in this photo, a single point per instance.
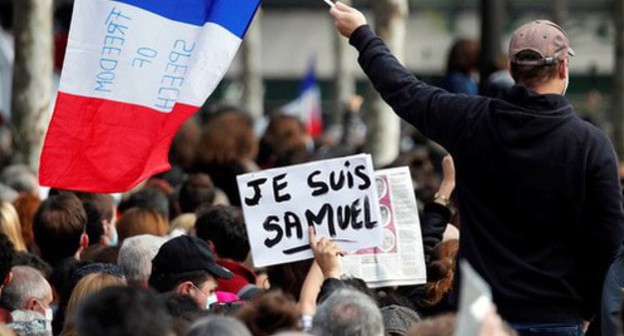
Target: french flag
pixel 308 105
pixel 134 71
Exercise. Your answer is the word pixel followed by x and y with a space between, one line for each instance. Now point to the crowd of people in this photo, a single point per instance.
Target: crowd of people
pixel 537 212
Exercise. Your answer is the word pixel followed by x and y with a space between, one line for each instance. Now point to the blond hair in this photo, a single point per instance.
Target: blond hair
pixel 90 284
pixel 10 225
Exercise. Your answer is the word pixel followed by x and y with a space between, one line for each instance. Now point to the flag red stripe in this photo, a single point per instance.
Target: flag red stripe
pixel 98 145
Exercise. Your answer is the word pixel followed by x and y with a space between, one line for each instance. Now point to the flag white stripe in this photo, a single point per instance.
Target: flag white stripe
pixel 111 55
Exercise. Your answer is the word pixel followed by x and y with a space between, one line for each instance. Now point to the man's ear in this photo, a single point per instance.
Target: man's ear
pixel 84 241
pixel 185 288
pixel 212 248
pixel 32 304
pixel 563 69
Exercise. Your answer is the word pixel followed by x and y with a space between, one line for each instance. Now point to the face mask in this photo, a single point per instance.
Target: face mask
pixel 211 299
pixel 115 240
pixel 49 315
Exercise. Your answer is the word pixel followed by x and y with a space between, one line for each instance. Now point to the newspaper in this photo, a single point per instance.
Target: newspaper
pixel 400 259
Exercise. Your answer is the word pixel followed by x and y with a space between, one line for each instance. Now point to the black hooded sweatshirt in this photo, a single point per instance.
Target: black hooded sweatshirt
pixel 538 188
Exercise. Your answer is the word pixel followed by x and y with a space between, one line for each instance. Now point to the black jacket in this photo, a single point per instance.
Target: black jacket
pixel 538 188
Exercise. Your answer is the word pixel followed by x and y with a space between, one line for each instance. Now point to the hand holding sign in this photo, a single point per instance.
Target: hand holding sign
pixel 326 255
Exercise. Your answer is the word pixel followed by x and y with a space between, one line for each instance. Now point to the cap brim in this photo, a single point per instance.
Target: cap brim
pixel 220 272
pixel 571 52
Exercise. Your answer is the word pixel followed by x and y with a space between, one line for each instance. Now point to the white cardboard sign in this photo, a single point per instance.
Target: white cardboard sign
pixel 338 197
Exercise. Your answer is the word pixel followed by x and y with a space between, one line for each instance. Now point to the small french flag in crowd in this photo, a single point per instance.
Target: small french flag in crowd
pixel 308 105
pixel 134 71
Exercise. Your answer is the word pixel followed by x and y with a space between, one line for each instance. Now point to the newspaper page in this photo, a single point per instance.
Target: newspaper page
pixel 400 259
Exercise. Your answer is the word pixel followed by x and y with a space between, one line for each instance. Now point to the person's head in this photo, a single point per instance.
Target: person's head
pixel 20 178
pixel 10 225
pixel 196 190
pixel 122 311
pixel 138 221
pixel 87 286
pixel 463 56
pixel 151 197
pixel 440 272
pixel 184 223
pixel 186 265
pixel 269 313
pixel 284 134
pixel 223 227
pixel 227 137
pixel 135 258
pixel 28 290
pixel 398 320
pixel 34 261
pixel 59 226
pixel 539 57
pixel 349 313
pixel 101 221
pixel 26 206
pixel 218 325
pixel 289 277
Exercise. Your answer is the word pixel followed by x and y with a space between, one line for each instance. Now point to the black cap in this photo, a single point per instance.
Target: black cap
pixel 187 254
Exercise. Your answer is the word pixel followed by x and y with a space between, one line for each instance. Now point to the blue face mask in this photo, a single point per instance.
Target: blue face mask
pixel 115 240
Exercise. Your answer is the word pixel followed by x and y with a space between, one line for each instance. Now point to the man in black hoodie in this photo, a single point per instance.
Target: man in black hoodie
pixel 538 188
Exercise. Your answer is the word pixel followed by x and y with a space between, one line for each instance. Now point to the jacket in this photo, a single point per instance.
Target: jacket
pixel 538 188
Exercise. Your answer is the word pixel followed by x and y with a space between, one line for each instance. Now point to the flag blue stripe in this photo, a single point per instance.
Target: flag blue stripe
pixel 233 15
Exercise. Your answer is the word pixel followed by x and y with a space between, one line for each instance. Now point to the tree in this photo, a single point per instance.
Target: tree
pixel 492 20
pixel 253 90
pixel 32 77
pixel 384 127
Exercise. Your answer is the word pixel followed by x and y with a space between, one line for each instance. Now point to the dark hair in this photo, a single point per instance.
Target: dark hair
pixel 7 254
pixel 6 15
pixel 179 304
pixel 98 207
pixel 31 260
pixel 151 198
pixel 101 254
pixel 463 56
pixel 225 227
pixel 532 76
pixel 196 190
pixel 121 311
pixel 269 313
pixel 289 277
pixel 163 283
pixel 58 225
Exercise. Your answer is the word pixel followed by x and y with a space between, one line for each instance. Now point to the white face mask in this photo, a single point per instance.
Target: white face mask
pixel 211 299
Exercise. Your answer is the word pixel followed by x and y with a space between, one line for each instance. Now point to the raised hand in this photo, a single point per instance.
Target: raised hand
pixel 326 255
pixel 347 19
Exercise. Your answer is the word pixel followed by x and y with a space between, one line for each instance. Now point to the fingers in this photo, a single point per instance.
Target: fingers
pixel 312 237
